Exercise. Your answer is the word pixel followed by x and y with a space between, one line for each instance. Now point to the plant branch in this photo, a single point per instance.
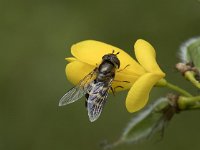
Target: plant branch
pixel 165 83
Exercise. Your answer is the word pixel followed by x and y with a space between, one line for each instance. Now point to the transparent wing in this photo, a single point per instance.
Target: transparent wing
pixel 79 90
pixel 96 100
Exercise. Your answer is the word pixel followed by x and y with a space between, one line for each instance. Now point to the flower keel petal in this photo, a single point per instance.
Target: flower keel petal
pixel 138 95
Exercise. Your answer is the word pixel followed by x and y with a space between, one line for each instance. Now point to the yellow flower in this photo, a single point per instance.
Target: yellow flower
pixel 142 76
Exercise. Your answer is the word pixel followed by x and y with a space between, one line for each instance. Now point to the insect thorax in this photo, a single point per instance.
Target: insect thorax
pixel 106 71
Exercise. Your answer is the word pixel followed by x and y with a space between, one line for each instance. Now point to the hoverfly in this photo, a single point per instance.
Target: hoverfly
pixel 95 86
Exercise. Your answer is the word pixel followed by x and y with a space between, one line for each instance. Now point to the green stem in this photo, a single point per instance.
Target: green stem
pixel 171 86
pixel 189 102
pixel 178 89
pixel 190 75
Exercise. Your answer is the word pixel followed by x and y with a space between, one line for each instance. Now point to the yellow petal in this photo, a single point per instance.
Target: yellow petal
pixel 138 95
pixel 146 56
pixel 70 59
pixel 77 70
pixel 123 81
pixel 91 52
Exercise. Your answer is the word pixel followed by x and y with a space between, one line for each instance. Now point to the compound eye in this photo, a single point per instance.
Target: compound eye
pixel 119 64
pixel 104 57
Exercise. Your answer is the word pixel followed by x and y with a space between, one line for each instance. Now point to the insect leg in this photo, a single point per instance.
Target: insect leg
pixel 123 68
pixel 118 87
pixel 113 90
pixel 86 101
pixel 121 81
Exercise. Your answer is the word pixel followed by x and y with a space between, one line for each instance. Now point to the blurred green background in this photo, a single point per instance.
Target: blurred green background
pixel 36 36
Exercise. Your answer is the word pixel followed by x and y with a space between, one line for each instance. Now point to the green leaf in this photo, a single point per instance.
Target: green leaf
pixel 190 52
pixel 146 123
pixel 194 53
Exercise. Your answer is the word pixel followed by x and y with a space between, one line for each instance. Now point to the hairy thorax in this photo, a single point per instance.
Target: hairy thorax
pixel 105 71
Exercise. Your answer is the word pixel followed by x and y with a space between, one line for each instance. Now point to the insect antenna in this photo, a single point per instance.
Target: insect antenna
pixel 113 51
pixel 117 53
